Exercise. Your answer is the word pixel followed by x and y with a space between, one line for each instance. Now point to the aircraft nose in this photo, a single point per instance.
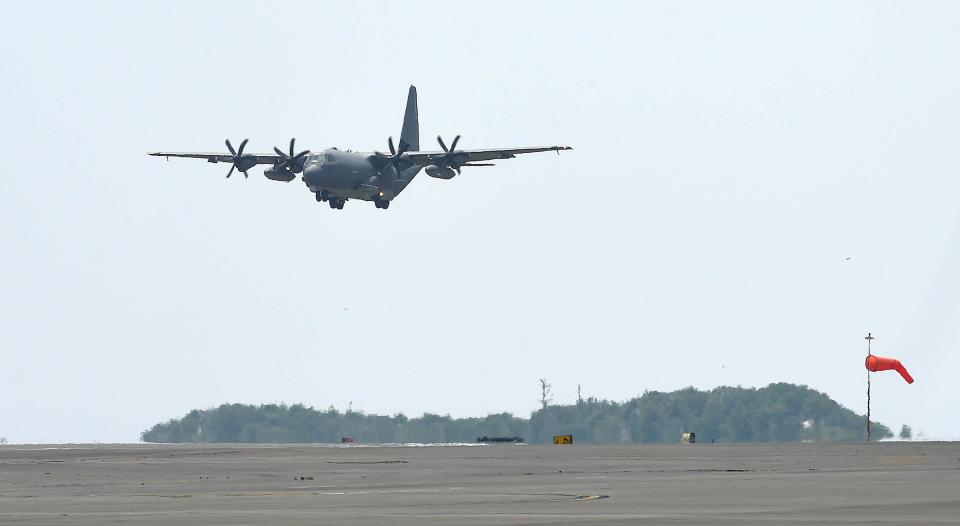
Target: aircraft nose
pixel 310 172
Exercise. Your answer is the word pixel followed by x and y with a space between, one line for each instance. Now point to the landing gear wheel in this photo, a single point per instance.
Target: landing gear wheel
pixel 320 198
pixel 381 203
pixel 385 205
pixel 333 202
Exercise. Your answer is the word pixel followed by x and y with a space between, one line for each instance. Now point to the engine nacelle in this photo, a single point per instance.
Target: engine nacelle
pixel 276 173
pixel 440 172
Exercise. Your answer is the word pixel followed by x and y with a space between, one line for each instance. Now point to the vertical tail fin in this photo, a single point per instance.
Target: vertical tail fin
pixel 411 123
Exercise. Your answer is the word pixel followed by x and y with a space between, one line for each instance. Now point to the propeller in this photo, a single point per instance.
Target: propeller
pixel 404 146
pixel 239 160
pixel 453 145
pixel 292 162
pixel 396 155
pixel 451 157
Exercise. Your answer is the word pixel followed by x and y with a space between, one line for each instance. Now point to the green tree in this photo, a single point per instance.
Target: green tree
pixel 775 413
pixel 906 433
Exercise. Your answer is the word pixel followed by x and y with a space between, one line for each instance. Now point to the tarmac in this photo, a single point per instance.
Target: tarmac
pixel 741 484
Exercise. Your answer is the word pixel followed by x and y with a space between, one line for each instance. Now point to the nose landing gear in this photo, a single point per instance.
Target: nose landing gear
pixel 381 203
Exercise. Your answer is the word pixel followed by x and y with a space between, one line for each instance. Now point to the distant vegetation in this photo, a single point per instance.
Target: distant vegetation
pixel 906 433
pixel 776 413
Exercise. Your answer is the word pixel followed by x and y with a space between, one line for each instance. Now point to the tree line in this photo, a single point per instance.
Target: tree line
pixel 776 413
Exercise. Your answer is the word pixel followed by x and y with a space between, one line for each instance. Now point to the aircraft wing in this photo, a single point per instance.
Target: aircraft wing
pixel 261 158
pixel 424 158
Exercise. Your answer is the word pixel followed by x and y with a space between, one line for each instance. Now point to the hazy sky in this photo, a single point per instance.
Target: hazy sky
pixel 729 158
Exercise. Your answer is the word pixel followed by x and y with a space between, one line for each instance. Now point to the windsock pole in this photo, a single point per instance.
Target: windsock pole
pixel 869 339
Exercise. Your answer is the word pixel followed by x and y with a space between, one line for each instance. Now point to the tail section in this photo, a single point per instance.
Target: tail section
pixel 411 122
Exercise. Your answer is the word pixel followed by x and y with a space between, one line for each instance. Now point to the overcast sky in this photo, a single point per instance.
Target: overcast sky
pixel 754 187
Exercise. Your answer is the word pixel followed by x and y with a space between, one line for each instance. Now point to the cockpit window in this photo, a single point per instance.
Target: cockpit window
pixel 328 157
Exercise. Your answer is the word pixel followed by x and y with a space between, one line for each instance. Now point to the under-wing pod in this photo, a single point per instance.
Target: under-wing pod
pixel 279 173
pixel 882 363
pixel 440 172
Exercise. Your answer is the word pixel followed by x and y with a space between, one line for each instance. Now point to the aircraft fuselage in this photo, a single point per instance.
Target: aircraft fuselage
pixel 351 175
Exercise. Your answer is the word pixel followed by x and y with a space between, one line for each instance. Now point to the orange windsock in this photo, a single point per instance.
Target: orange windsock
pixel 882 363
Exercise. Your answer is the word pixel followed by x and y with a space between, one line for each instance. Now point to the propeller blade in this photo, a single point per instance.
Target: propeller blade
pixel 230 147
pixel 442 145
pixel 282 155
pixel 232 166
pixel 242 146
pixel 455 141
pixel 393 151
pixel 245 175
pixel 293 140
pixel 301 155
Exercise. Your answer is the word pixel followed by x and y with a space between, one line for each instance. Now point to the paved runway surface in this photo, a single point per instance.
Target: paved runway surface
pixel 880 483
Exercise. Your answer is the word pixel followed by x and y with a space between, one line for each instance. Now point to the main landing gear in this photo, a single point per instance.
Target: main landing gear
pixel 381 203
pixel 333 201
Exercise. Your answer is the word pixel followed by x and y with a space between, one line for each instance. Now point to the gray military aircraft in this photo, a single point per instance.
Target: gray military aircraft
pixel 338 175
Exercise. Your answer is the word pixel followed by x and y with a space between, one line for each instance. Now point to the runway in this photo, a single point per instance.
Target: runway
pixel 879 483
